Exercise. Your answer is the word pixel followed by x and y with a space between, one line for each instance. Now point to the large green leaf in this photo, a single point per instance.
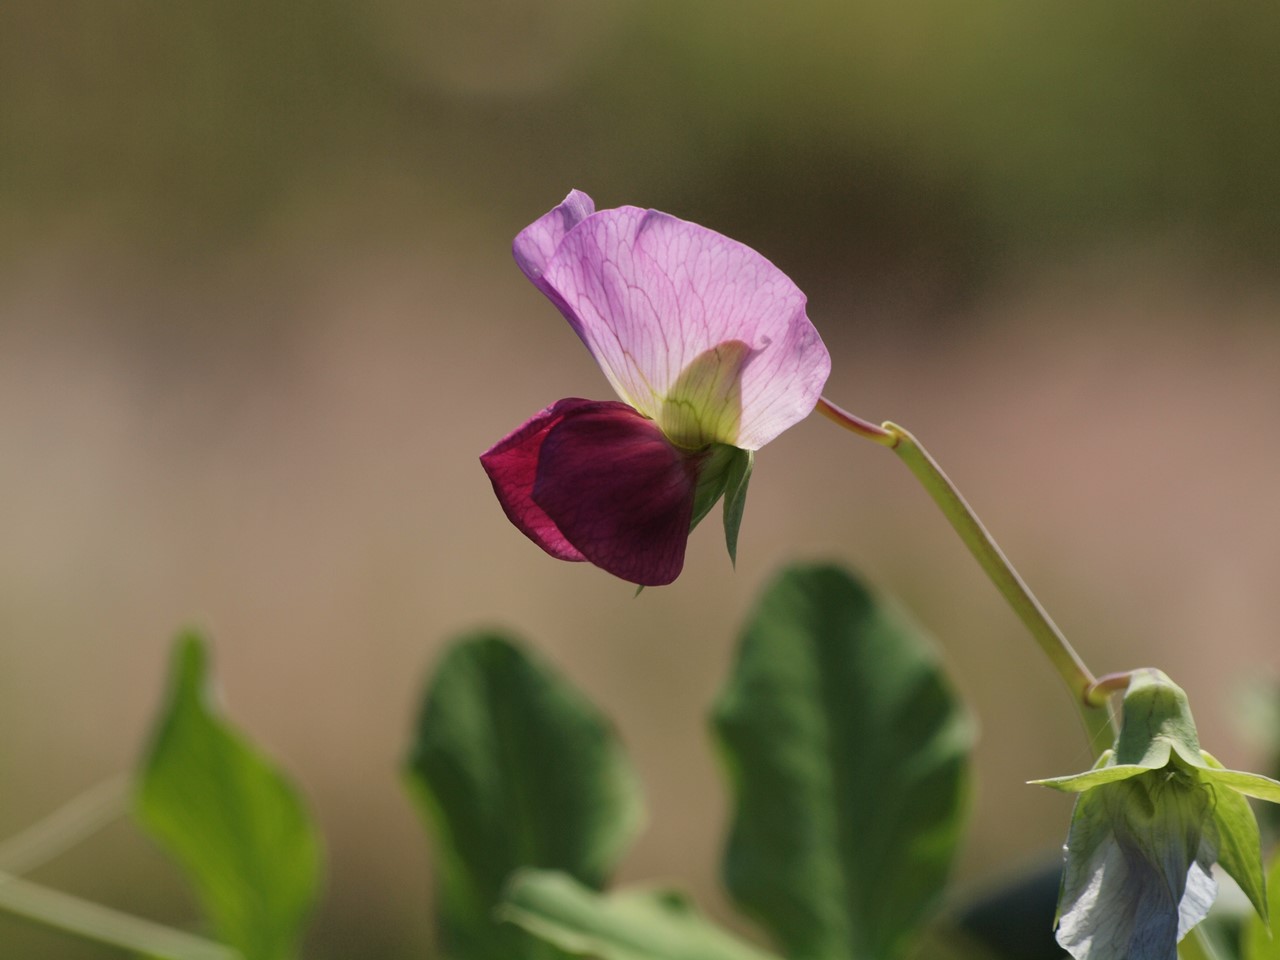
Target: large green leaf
pixel 1259 944
pixel 628 925
pixel 229 817
pixel 847 752
pixel 514 768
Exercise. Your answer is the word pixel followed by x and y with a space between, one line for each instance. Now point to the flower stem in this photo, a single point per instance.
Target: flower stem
pixel 1079 681
pixel 58 832
pixel 95 922
pixel 1101 690
pixel 855 424
pixel 65 827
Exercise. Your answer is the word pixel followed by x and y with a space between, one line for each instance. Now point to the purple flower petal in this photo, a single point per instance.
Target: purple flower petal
pixel 650 295
pixel 536 244
pixel 512 465
pixel 618 491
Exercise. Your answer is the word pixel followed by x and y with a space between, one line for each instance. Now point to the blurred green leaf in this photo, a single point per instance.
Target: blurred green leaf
pixel 1262 940
pixel 231 819
pixel 514 768
pixel 848 756
pixel 629 925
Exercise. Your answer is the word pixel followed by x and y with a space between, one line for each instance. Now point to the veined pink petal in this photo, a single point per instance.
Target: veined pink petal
pixel 512 466
pixel 536 244
pixel 618 491
pixel 650 294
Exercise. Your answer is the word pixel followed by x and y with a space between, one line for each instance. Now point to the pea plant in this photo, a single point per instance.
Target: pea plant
pixel 844 747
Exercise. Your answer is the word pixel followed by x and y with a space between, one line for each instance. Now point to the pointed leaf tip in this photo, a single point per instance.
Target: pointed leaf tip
pixel 1261 940
pixel 735 499
pixel 228 816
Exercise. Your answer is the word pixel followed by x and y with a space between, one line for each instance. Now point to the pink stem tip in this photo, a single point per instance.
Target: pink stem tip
pixel 855 424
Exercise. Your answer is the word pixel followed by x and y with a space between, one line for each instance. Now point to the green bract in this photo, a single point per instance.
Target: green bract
pixel 1153 816
pixel 725 472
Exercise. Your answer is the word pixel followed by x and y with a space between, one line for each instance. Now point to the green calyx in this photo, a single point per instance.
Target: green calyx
pixel 1160 785
pixel 724 471
pixel 1157 721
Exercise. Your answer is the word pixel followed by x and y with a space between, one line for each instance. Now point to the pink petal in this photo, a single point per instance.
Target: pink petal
pixel 536 244
pixel 649 294
pixel 619 491
pixel 512 465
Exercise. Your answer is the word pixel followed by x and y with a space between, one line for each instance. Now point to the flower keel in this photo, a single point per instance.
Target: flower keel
pixel 512 466
pixel 619 491
pixel 593 480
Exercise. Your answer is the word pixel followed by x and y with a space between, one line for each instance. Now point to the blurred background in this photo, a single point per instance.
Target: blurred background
pixel 258 318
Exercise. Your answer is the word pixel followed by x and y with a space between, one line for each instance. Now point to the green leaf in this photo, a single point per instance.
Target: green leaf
pixel 1262 939
pixel 735 499
pixel 724 471
pixel 628 925
pixel 512 767
pixel 229 817
pixel 848 757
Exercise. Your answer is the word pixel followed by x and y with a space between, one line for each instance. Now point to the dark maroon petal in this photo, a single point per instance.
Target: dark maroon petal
pixel 618 491
pixel 512 465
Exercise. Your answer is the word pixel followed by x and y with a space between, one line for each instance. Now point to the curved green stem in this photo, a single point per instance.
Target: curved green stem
pixel 58 832
pixel 855 424
pixel 1080 682
pixel 101 924
pixel 65 827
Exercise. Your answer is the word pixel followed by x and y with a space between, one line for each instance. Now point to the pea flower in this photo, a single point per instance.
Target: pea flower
pixel 708 346
pixel 1151 819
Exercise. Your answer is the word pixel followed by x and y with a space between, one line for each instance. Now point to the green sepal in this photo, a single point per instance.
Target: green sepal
pixel 735 499
pixel 1250 784
pixel 714 470
pixel 1104 771
pixel 1261 939
pixel 627 925
pixel 1239 840
pixel 1157 718
pixel 724 471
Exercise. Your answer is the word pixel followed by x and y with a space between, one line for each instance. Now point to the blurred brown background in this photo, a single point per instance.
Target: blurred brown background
pixel 258 317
